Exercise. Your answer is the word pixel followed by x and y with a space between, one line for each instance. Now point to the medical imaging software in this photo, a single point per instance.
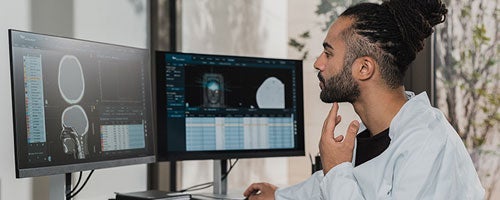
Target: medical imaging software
pixel 84 101
pixel 229 103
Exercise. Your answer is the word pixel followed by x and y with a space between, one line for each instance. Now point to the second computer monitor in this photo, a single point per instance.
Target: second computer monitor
pixel 221 107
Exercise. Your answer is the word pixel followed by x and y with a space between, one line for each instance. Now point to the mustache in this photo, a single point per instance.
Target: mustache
pixel 320 77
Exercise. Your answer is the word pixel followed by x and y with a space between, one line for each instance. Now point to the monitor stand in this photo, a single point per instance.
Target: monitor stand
pixel 220 186
pixel 60 185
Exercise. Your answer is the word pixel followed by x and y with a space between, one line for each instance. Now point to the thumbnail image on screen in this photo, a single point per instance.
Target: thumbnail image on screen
pixel 78 102
pixel 224 104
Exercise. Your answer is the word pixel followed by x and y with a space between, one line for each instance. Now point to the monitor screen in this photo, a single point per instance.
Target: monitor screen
pixel 79 105
pixel 221 107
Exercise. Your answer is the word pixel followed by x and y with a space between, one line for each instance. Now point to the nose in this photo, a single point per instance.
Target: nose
pixel 319 64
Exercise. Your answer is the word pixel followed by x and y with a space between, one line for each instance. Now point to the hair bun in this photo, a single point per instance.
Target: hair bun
pixel 434 11
pixel 416 18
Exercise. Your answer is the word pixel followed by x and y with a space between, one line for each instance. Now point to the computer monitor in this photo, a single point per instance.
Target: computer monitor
pixel 79 105
pixel 223 107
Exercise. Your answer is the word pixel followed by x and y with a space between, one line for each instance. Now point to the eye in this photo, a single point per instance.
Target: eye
pixel 328 54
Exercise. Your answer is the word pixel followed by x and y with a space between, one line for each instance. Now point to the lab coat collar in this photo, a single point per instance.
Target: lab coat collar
pixel 413 107
pixel 409 110
pixel 409 95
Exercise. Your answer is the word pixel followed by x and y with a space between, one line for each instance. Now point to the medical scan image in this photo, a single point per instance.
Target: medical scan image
pixel 271 94
pixel 70 78
pixel 74 120
pixel 248 88
pixel 75 126
pixel 213 92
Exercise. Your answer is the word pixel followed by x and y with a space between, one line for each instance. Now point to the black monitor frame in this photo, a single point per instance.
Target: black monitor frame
pixel 164 155
pixel 19 121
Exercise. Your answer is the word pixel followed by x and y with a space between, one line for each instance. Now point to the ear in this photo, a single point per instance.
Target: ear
pixel 364 68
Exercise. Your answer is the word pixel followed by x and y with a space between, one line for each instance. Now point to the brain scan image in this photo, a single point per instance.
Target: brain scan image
pixel 74 120
pixel 70 79
pixel 75 126
pixel 213 90
pixel 271 94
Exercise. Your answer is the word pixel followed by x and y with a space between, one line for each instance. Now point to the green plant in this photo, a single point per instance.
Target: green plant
pixel 467 70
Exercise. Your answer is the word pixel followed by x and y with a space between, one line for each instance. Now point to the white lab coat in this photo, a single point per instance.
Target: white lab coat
pixel 426 159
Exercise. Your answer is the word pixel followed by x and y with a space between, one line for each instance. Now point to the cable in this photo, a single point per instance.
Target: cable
pixel 80 189
pixel 77 183
pixel 210 184
pixel 192 188
pixel 230 168
pixel 69 196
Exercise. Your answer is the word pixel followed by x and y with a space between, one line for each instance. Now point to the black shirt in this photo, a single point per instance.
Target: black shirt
pixel 369 147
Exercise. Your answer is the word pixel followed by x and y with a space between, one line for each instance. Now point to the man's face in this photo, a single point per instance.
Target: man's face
pixel 336 81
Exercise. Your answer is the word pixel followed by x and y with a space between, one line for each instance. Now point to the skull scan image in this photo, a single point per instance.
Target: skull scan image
pixel 68 137
pixel 74 120
pixel 75 126
pixel 271 94
pixel 70 79
pixel 213 90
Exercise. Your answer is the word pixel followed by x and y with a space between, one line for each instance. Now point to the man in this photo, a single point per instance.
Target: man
pixel 406 149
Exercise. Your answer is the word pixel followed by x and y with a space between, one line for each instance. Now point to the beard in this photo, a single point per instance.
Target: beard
pixel 340 87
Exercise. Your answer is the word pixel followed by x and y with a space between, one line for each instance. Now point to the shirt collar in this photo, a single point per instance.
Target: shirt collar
pixel 410 109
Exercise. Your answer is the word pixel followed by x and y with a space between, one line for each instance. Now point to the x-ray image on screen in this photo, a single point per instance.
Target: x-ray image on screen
pixel 245 88
pixel 271 94
pixel 75 126
pixel 213 90
pixel 71 80
pixel 75 123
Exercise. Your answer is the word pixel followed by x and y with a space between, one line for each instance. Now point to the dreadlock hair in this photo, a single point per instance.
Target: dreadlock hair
pixel 392 33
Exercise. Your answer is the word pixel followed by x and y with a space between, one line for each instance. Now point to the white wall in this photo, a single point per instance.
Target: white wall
pixel 121 22
pixel 13 14
pixel 241 27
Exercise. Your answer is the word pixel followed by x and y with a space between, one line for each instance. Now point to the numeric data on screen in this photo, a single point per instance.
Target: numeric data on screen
pixel 227 133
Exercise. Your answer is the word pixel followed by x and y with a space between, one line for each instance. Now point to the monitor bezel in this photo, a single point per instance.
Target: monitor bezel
pixel 150 157
pixel 164 155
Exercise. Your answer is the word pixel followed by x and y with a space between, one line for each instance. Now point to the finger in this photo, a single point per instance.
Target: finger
pixel 330 120
pixel 339 138
pixel 253 196
pixel 252 189
pixel 338 119
pixel 352 131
